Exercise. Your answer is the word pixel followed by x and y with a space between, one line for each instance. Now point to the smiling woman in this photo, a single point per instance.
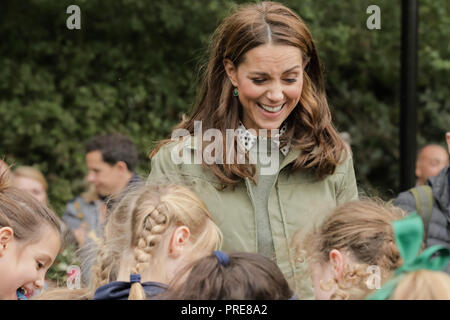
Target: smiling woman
pixel 270 82
pixel 263 74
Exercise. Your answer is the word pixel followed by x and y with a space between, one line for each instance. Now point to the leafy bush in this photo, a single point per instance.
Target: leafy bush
pixel 132 69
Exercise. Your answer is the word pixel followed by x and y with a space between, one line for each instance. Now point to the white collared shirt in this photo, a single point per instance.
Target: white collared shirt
pixel 248 140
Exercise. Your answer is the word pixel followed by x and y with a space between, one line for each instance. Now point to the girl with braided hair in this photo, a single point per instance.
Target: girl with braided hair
pixel 353 251
pixel 154 231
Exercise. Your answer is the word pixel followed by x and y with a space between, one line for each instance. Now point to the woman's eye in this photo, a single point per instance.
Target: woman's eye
pixel 39 265
pixel 291 80
pixel 258 81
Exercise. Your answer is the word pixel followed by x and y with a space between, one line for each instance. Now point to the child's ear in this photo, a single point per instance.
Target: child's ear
pixel 179 240
pixel 6 236
pixel 337 263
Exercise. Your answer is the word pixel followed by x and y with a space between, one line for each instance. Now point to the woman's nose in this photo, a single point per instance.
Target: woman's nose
pixel 275 93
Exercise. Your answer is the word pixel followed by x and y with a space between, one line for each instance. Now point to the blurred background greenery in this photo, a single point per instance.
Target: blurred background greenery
pixel 132 69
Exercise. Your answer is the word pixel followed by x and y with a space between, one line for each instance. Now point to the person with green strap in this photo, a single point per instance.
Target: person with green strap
pixel 428 264
pixel 432 202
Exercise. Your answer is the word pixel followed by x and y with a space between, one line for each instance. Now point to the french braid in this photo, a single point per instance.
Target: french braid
pixel 148 236
pixel 139 226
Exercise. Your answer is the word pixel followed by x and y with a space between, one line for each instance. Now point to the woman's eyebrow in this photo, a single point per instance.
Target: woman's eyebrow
pixel 292 69
pixel 265 74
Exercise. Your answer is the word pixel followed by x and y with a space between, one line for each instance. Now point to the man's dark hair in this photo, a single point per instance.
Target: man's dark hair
pixel 114 148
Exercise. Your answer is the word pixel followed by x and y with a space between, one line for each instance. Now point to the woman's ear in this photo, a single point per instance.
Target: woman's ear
pixel 230 69
pixel 6 236
pixel 179 240
pixel 305 62
pixel 337 263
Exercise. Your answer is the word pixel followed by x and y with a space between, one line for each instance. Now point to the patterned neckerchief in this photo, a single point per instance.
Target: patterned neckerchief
pixel 248 140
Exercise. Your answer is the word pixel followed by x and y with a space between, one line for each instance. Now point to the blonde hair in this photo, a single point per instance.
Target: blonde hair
pixel 143 221
pixel 423 285
pixel 363 229
pixel 32 173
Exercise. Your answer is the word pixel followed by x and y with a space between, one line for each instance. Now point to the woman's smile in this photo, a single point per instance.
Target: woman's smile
pixel 271 109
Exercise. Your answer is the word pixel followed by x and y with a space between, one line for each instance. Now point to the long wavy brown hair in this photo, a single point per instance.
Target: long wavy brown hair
pixel 309 125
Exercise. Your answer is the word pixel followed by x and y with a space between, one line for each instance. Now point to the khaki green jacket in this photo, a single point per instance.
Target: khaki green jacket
pixel 297 202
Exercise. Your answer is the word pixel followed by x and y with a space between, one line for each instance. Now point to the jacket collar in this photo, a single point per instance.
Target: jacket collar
pixel 248 140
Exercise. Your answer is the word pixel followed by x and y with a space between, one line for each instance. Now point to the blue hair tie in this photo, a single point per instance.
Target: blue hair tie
pixel 222 257
pixel 135 278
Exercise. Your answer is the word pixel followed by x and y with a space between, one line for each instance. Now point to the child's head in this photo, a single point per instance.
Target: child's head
pixel 30 238
pixel 238 276
pixel 32 181
pixel 154 231
pixel 355 242
pixel 423 285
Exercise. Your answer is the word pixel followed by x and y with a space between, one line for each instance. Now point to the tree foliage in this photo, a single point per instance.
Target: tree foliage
pixel 132 68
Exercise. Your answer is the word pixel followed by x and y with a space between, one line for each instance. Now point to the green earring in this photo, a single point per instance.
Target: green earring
pixel 235 92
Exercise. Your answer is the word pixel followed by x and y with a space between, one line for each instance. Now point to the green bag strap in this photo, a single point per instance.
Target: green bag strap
pixel 424 203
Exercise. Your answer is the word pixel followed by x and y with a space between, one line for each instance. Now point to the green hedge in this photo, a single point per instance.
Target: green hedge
pixel 132 69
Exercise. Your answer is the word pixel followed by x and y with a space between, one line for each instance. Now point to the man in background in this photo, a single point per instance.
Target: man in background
pixel 111 161
pixel 431 160
pixel 432 202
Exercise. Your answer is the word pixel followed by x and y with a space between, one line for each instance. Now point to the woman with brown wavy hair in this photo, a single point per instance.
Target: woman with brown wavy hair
pixel 276 163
